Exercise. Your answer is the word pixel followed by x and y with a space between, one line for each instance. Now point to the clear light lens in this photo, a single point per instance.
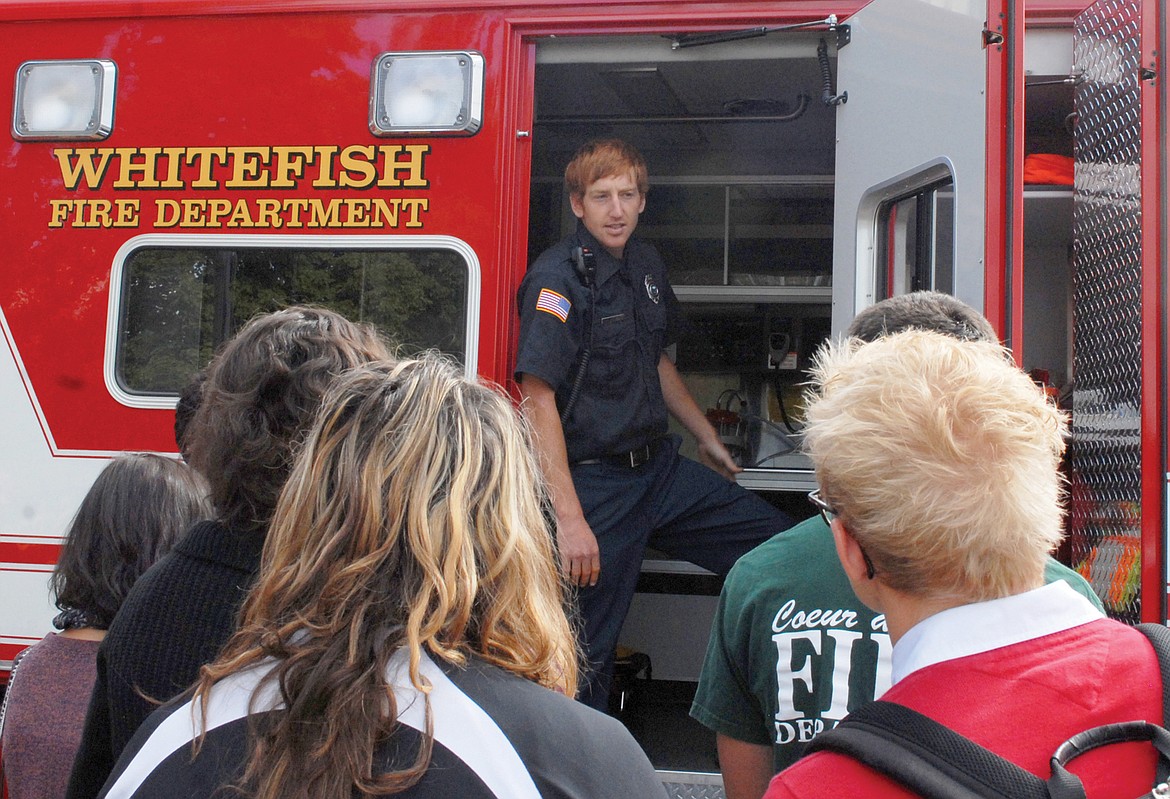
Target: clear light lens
pixel 427 93
pixel 64 100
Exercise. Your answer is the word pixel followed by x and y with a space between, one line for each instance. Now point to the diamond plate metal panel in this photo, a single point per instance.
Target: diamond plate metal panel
pixel 692 785
pixel 1105 451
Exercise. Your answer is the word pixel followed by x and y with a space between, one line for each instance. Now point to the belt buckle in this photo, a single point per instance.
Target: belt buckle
pixel 639 456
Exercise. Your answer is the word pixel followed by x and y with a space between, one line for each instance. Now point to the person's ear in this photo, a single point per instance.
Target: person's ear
pixel 578 204
pixel 849 552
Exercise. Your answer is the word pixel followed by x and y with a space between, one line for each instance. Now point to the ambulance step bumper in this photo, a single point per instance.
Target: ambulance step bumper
pixel 692 785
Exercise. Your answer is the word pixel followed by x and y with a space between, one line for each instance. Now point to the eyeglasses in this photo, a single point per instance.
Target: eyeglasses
pixel 828 513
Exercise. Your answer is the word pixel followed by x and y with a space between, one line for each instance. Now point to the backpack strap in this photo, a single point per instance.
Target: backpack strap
pixel 927 757
pixel 1159 637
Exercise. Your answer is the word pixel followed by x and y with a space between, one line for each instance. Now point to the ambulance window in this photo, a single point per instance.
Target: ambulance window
pixel 916 241
pixel 178 304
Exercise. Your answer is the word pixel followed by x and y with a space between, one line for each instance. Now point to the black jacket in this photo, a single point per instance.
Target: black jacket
pixel 177 617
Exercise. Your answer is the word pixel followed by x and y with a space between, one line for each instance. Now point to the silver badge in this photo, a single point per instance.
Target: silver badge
pixel 651 289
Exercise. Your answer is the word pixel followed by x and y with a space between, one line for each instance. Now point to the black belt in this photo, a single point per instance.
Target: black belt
pixel 632 459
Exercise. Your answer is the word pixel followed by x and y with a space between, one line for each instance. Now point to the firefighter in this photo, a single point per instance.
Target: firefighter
pixel 596 315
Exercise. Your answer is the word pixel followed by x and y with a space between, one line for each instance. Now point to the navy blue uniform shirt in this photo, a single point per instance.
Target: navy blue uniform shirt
pixel 620 405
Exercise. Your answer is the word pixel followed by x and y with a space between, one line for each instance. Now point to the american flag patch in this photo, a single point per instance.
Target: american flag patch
pixel 551 302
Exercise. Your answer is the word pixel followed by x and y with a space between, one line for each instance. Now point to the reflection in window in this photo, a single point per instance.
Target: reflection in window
pixel 180 303
pixel 916 242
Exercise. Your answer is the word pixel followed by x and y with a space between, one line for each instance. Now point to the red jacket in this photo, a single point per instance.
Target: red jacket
pixel 1021 701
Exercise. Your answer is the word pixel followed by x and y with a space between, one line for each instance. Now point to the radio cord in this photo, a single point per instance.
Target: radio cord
pixel 585 272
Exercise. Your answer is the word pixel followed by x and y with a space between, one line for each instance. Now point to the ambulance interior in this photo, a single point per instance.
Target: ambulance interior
pixel 740 140
pixel 740 149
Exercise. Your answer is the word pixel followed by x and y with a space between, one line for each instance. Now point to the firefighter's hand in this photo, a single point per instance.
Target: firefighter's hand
pixel 713 454
pixel 580 558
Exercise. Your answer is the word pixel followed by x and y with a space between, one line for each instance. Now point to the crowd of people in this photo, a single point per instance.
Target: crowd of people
pixel 378 576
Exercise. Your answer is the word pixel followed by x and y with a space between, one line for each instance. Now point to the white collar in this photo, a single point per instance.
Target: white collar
pixel 982 626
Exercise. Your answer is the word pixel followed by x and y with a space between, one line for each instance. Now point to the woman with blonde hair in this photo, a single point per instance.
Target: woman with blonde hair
pixel 407 624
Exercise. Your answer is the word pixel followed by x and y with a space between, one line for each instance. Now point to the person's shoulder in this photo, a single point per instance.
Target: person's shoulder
pixel 147 766
pixel 549 729
pixel 792 549
pixel 553 270
pixel 39 663
pixel 1055 570
pixel 828 774
pixel 554 261
pixel 500 691
pixel 44 649
pixel 58 649
pixel 162 603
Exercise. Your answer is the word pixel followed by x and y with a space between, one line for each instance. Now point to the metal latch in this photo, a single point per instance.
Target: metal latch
pixel 991 38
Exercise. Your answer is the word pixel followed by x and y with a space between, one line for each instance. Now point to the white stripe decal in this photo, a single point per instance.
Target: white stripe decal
pixel 460 725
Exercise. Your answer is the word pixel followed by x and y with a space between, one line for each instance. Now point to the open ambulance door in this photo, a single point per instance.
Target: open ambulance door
pixel 1117 454
pixel 911 197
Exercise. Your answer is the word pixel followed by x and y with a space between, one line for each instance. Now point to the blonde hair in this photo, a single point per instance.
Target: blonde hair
pixel 412 519
pixel 942 458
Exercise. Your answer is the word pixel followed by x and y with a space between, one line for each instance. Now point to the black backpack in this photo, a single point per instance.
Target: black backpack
pixel 939 763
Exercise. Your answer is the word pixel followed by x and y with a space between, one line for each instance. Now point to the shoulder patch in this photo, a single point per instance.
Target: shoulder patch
pixel 556 304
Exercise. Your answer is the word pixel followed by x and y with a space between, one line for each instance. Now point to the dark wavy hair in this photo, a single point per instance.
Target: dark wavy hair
pixel 922 310
pixel 133 514
pixel 260 395
pixel 186 408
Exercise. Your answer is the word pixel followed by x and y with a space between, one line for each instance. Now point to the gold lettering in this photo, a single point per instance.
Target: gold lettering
pixel 295 208
pixel 72 170
pixel 145 169
pixel 166 213
pixel 413 166
pixel 324 216
pixel 174 157
pixel 246 167
pixel 99 213
pixel 357 213
pixel 204 158
pixel 325 156
pixel 240 216
pixel 127 213
pixel 217 211
pixel 193 213
pixel 415 205
pixel 385 214
pixel 290 166
pixel 59 212
pixel 268 213
pixel 352 164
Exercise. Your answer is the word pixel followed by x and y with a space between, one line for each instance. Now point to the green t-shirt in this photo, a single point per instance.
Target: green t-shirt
pixel 792 648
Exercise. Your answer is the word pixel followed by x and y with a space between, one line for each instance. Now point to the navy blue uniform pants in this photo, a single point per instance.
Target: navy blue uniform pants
pixel 672 504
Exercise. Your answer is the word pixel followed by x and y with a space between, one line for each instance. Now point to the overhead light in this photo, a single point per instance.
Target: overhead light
pixel 64 99
pixel 431 93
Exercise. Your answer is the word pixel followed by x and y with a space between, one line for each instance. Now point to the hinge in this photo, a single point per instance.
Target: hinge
pixel 843 35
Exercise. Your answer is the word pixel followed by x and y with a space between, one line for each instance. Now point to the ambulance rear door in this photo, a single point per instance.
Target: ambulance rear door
pixel 911 197
pixel 1117 452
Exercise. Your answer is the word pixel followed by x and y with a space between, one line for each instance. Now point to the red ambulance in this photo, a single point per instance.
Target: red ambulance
pixel 175 167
